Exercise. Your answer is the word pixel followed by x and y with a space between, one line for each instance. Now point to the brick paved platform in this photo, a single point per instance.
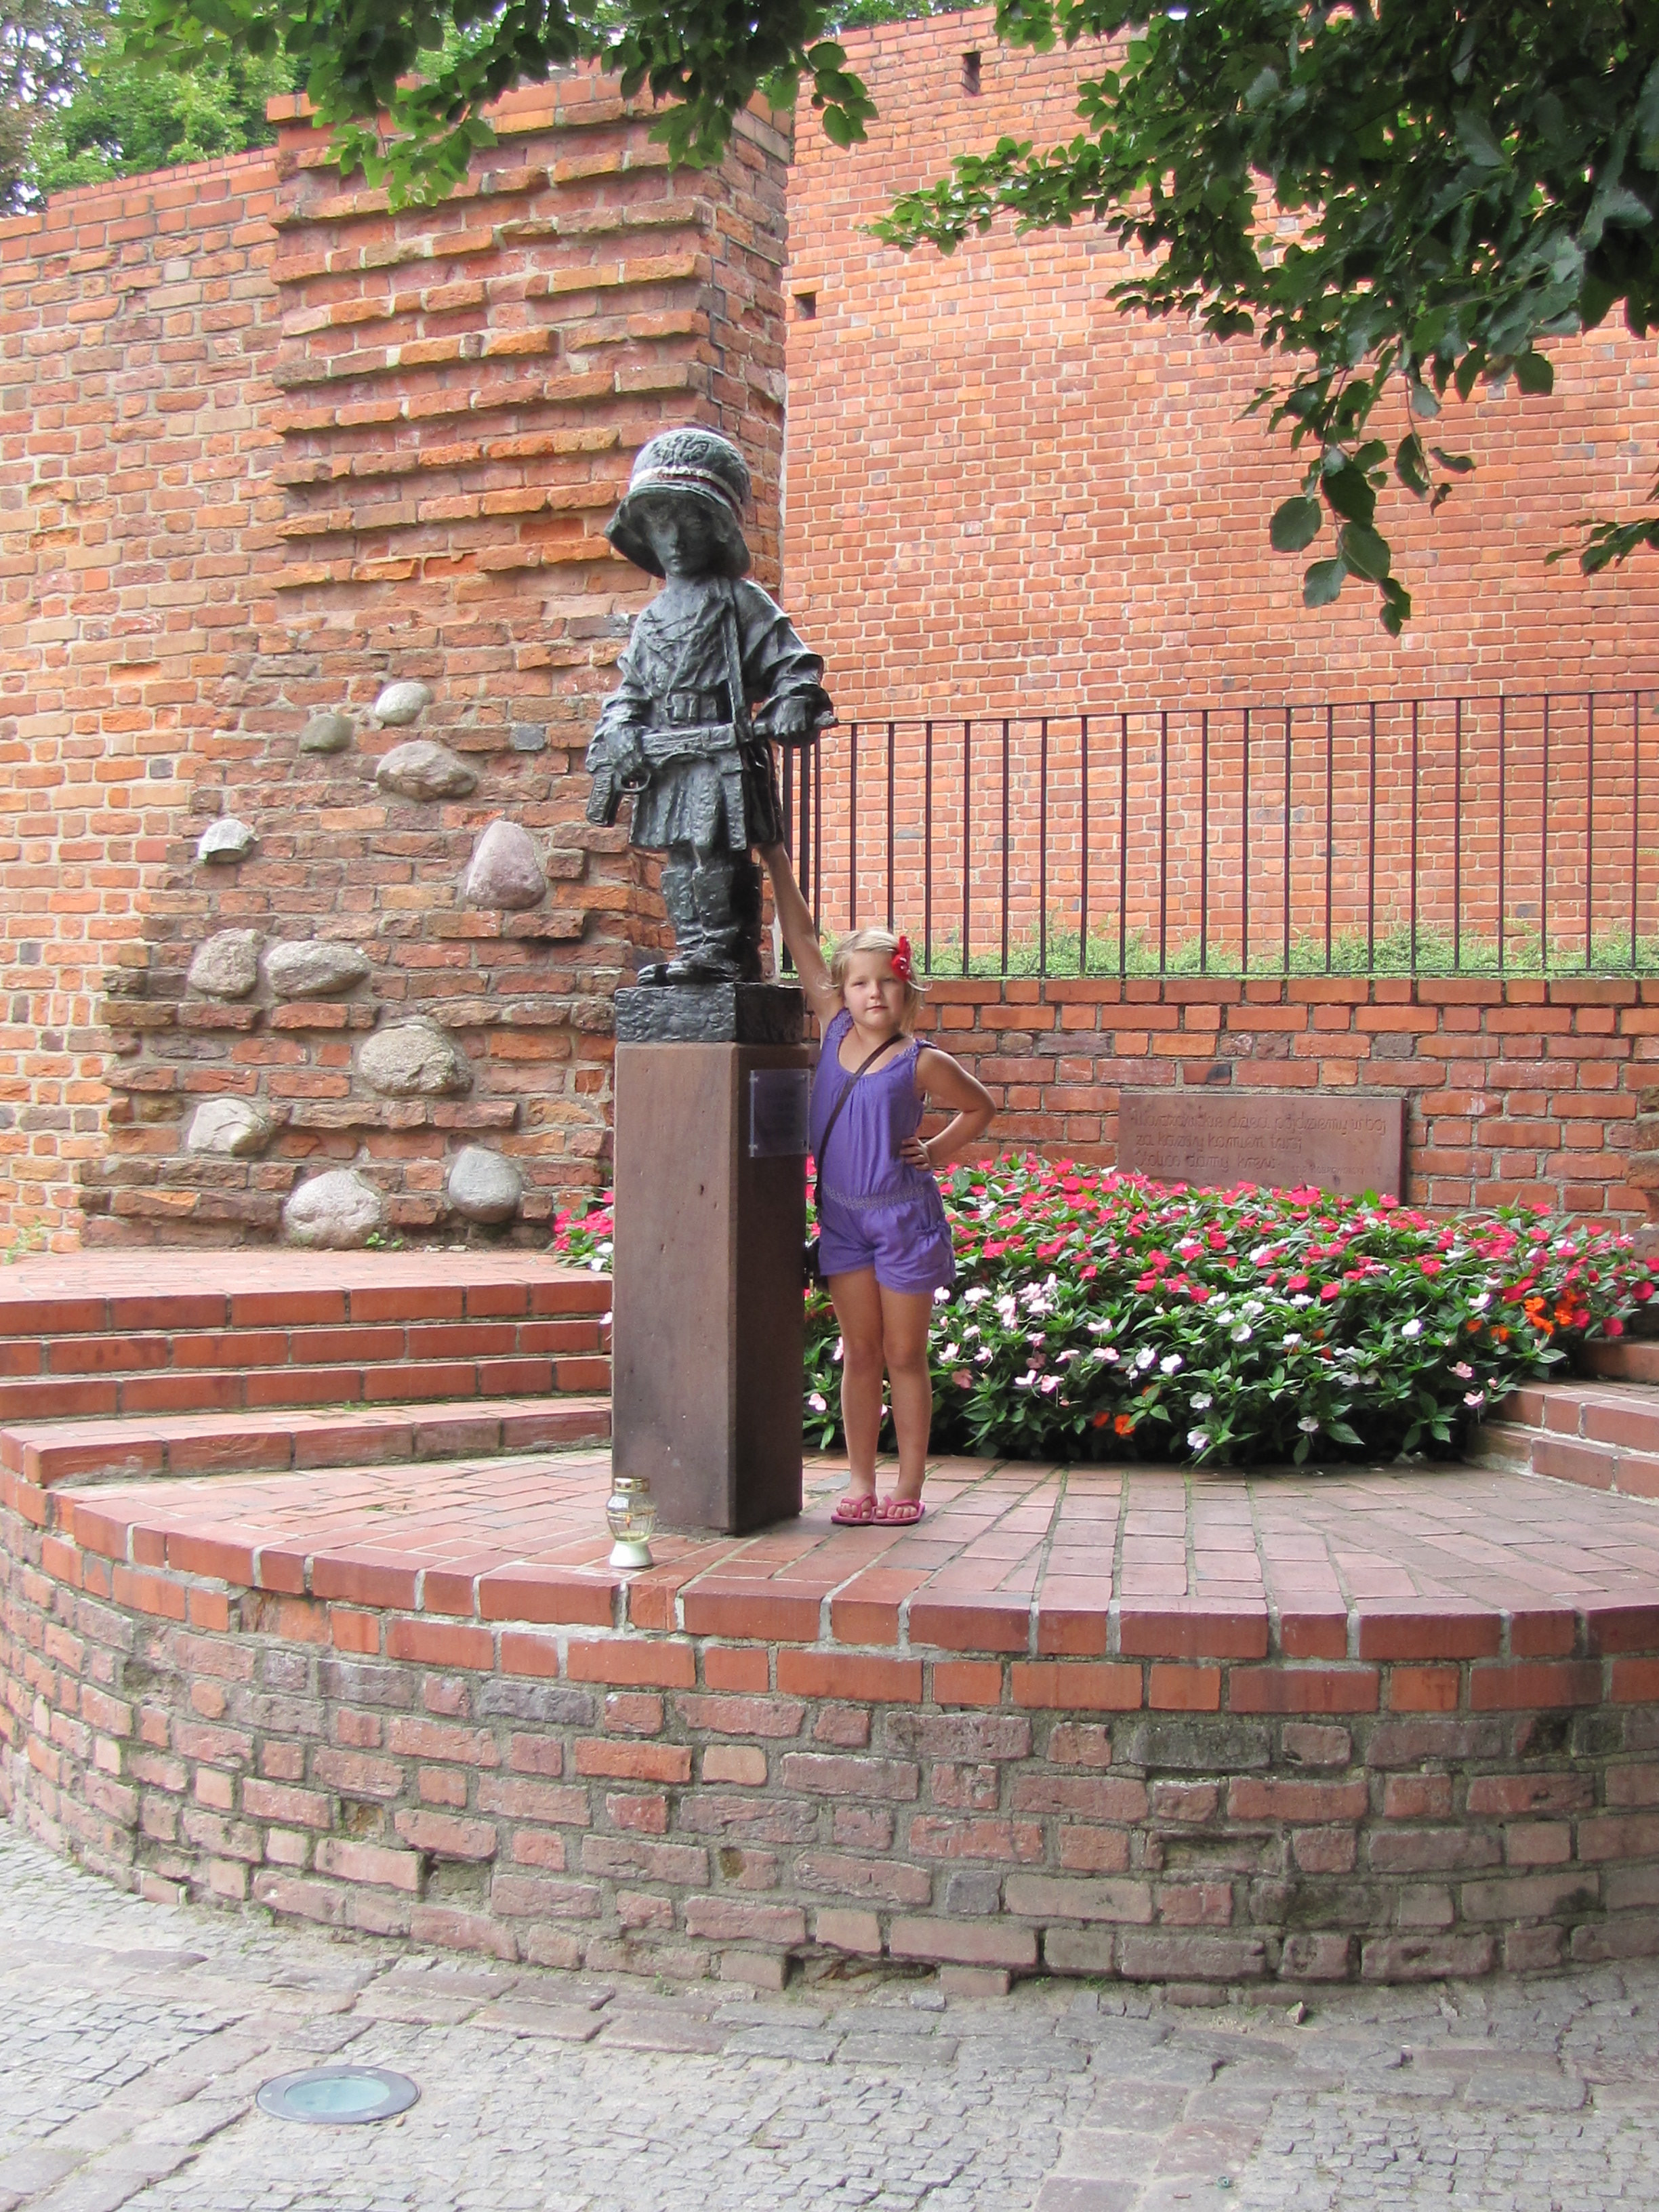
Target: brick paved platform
pixel 1383 1724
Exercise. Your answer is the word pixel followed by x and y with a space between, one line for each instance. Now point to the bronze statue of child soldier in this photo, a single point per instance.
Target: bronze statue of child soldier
pixel 679 734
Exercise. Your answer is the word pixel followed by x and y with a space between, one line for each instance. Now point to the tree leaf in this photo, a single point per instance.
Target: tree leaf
pixel 1349 493
pixel 1534 372
pixel 1459 464
pixel 1474 136
pixel 1296 524
pixel 1323 580
pixel 1365 552
pixel 1408 465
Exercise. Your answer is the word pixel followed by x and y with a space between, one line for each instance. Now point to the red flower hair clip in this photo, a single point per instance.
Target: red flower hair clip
pixel 903 968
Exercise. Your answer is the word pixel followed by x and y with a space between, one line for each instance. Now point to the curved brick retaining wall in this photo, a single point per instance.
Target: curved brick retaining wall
pixel 713 1784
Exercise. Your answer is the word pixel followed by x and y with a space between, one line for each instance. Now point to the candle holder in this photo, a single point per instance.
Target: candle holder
pixel 631 1513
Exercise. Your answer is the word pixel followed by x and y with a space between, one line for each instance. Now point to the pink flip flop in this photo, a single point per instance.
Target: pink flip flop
pixel 899 1512
pixel 855 1512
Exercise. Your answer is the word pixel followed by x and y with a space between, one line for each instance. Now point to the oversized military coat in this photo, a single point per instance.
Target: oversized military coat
pixel 691 649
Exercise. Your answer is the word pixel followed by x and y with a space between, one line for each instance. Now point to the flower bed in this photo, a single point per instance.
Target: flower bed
pixel 1100 1315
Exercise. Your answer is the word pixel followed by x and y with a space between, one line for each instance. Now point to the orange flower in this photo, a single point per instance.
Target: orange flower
pixel 1124 1425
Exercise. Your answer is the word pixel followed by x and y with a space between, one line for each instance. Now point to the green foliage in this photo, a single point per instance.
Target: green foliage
pixel 1401 201
pixel 43 45
pixel 403 83
pixel 123 119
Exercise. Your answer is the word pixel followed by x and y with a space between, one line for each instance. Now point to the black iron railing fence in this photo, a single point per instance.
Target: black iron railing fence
pixel 1495 834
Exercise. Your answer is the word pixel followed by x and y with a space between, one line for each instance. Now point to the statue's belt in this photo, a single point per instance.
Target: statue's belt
pixel 684 741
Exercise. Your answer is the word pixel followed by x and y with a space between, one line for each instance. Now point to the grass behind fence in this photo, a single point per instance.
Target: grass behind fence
pixel 1395 949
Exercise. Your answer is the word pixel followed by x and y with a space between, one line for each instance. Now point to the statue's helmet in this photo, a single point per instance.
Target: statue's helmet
pixel 677 467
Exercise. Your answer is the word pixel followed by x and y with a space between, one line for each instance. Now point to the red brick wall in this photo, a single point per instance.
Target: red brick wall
pixel 1514 1091
pixel 137 339
pixel 334 447
pixel 687 1797
pixel 1000 494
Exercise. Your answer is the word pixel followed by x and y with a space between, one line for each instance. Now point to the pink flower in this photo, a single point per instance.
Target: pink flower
pixel 1615 1327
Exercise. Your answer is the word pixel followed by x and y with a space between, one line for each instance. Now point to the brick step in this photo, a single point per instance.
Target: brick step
pixel 1600 1435
pixel 225 1390
pixel 57 1307
pixel 131 1352
pixel 45 1453
pixel 1628 1359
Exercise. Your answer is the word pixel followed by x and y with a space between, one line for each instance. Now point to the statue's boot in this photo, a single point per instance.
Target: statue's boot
pixel 727 890
pixel 679 895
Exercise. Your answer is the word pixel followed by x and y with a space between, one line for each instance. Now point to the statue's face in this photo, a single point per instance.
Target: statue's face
pixel 679 538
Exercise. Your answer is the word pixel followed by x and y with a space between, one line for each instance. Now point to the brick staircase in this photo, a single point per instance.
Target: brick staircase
pixel 112 1367
pixel 1599 1430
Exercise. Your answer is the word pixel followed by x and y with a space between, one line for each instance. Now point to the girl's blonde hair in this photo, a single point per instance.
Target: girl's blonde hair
pixel 875 940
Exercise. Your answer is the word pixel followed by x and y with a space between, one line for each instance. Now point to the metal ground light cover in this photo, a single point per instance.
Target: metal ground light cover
pixel 337 2096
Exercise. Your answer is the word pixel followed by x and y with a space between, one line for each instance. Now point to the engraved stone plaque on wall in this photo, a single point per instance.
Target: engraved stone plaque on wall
pixel 1218 1138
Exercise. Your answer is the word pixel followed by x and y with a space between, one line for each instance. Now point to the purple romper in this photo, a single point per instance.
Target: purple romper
pixel 874 1211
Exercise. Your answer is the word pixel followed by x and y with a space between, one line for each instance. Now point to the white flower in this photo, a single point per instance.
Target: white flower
pixel 1479 1304
pixel 1024 1382
pixel 1008 1312
pixel 1064 1358
pixel 950 1352
pixel 1290 1342
pixel 1143 1359
pixel 1463 1371
pixel 975 1295
pixel 1202 1403
pixel 604 1248
pixel 1413 1329
pixel 1301 1299
pixel 984 1357
pixel 1198 1439
pixel 818 1402
pixel 1261 1255
pixel 1474 1397
pixel 1253 1307
pixel 1101 1328
pixel 1242 1333
pixel 941 1297
pixel 836 1353
pixel 1049 1382
pixel 1308 1424
pixel 1106 1356
pixel 1172 1365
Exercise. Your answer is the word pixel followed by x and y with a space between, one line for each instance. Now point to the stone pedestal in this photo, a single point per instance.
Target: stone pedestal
pixel 709 1326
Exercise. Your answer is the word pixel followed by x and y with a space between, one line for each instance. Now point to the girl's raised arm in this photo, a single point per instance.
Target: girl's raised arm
pixel 795 919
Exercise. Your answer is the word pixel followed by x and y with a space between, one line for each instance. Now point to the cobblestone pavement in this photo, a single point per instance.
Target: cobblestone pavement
pixel 133 2036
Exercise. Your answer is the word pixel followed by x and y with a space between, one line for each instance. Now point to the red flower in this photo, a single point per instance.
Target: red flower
pixel 903 967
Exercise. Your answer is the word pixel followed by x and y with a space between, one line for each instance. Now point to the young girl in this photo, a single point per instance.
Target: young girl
pixel 883 1238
